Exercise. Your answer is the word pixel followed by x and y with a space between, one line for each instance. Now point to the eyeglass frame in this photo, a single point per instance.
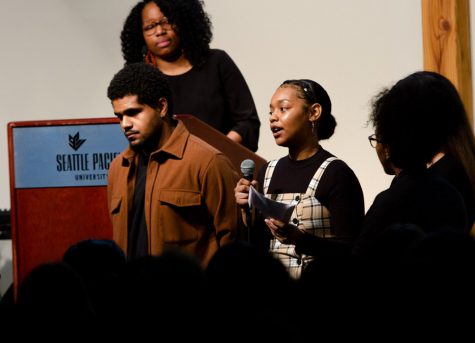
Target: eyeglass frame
pixel 149 30
pixel 373 141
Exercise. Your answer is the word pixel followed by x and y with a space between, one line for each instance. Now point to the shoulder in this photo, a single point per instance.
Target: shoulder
pixel 449 168
pixel 203 152
pixel 338 175
pixel 220 57
pixel 200 147
pixel 262 171
pixel 123 159
pixel 340 167
pixel 218 54
pixel 337 167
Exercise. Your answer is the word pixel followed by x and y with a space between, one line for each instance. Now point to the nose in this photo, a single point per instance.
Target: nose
pixel 159 30
pixel 126 123
pixel 273 117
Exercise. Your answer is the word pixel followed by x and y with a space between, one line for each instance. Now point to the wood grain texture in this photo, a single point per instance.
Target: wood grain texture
pixel 446 43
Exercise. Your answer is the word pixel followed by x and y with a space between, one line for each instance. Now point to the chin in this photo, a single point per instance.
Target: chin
pixel 136 146
pixel 280 142
pixel 389 171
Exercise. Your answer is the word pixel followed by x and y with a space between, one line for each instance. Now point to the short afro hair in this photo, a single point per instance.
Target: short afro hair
pixel 143 80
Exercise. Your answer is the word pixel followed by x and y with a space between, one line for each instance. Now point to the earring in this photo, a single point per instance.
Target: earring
pixel 144 52
pixel 149 58
pixel 313 126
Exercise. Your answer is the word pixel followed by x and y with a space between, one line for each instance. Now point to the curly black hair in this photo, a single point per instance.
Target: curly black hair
pixel 415 117
pixel 143 80
pixel 312 93
pixel 189 20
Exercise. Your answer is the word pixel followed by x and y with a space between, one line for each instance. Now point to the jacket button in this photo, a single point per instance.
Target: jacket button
pixel 295 221
pixel 297 197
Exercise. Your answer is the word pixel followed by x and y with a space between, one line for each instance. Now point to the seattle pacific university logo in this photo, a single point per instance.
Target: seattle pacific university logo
pixel 75 142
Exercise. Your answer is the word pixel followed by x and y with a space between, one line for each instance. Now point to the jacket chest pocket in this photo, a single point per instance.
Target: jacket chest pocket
pixel 179 198
pixel 183 210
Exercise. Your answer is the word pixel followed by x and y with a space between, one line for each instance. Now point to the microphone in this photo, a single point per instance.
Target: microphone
pixel 247 169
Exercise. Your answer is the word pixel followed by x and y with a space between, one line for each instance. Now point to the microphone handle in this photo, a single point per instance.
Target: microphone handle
pixel 248 212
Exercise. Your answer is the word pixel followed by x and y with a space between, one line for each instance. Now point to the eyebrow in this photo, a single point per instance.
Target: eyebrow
pixel 129 112
pixel 153 20
pixel 283 100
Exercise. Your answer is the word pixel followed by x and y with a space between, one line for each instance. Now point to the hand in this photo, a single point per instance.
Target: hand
pixel 241 192
pixel 284 232
pixel 234 136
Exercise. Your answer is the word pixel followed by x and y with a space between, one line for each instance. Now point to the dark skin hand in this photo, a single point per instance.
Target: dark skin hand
pixel 284 232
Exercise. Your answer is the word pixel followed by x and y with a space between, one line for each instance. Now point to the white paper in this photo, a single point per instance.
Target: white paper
pixel 268 207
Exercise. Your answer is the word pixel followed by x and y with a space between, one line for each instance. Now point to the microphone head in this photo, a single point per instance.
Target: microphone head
pixel 247 169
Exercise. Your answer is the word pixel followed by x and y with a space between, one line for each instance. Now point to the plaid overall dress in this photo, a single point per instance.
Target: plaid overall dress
pixel 309 215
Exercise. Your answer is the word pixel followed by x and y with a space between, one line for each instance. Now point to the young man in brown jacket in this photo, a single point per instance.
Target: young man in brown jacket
pixel 169 188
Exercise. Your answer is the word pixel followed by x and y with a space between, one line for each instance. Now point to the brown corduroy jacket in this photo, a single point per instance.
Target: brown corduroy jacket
pixel 189 196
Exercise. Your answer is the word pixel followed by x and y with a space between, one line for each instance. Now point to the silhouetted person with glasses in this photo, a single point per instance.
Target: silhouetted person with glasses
pixel 407 136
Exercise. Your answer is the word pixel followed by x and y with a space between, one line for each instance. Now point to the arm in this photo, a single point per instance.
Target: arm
pixel 219 181
pixel 340 191
pixel 233 135
pixel 239 104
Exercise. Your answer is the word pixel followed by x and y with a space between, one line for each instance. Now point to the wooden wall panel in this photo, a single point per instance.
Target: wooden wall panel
pixel 446 43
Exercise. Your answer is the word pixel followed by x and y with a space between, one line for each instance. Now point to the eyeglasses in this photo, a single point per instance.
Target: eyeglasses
pixel 373 141
pixel 149 30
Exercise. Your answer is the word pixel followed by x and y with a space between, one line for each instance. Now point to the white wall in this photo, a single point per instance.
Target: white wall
pixel 58 56
pixel 352 48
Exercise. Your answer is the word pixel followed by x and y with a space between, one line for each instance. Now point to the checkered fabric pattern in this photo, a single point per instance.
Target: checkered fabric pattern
pixel 309 215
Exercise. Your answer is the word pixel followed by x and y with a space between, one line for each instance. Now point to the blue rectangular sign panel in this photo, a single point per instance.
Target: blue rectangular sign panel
pixel 66 155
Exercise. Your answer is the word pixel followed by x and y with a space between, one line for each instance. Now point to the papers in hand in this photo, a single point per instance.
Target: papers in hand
pixel 268 207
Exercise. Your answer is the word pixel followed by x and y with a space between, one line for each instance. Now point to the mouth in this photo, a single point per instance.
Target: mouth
pixel 276 130
pixel 162 44
pixel 131 135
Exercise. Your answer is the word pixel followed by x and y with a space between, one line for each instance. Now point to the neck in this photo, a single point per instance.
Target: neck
pixel 302 154
pixel 436 157
pixel 173 66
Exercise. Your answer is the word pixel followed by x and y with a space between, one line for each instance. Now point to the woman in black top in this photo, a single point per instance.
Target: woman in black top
pixel 328 198
pixel 174 36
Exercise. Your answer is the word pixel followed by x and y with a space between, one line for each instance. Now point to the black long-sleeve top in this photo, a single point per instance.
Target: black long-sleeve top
pixel 338 190
pixel 451 170
pixel 218 94
pixel 418 198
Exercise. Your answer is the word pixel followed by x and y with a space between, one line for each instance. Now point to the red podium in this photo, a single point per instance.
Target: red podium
pixel 58 180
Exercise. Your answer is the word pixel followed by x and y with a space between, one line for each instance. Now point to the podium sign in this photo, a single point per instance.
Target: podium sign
pixel 65 156
pixel 58 186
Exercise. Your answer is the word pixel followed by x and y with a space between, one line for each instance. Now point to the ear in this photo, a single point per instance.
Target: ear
pixel 386 152
pixel 314 112
pixel 162 107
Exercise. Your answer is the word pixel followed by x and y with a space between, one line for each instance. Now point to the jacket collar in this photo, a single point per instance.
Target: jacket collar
pixel 174 146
